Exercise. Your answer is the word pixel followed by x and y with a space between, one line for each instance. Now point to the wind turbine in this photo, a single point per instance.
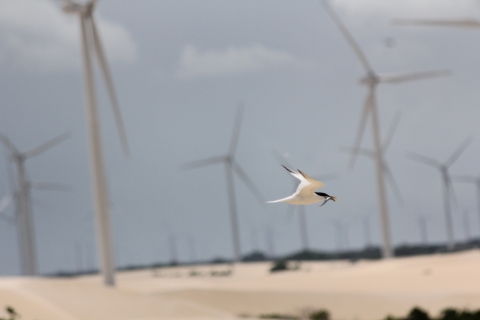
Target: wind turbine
pixel 302 215
pixel 372 80
pixel 385 167
pixel 422 221
pixel 341 235
pixel 466 225
pixel 476 182
pixel 461 23
pixel 231 168
pixel 447 183
pixel 22 195
pixel 91 45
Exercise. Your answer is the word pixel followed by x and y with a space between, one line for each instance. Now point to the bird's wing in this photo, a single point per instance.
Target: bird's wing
pixel 295 174
pixel 307 185
pixel 281 200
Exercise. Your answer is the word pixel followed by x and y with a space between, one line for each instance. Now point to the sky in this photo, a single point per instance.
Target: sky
pixel 180 69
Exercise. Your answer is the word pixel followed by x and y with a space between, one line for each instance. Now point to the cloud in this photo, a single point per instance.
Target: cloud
pixel 36 35
pixel 233 60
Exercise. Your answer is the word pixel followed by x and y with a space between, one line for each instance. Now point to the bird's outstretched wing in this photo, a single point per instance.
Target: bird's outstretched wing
pixel 307 184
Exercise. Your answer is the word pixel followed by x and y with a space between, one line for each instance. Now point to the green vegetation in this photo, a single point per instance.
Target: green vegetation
pixel 278 316
pixel 321 314
pixel 12 314
pixel 284 265
pixel 447 314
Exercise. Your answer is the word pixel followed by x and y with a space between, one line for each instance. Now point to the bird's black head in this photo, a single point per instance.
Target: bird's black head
pixel 321 194
pixel 326 196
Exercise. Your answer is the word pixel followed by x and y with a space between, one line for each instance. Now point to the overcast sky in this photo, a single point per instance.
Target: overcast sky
pixel 180 70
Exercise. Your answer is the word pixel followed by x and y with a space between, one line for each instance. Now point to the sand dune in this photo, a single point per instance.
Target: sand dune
pixel 363 290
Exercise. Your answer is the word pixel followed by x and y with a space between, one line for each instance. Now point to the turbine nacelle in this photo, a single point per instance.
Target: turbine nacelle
pixel 370 79
pixel 77 8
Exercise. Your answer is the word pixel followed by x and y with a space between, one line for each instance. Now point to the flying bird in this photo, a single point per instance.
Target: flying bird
pixel 305 193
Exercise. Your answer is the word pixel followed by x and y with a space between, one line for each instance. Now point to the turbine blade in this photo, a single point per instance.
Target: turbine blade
pixel 464 23
pixel 397 78
pixel 464 178
pixel 391 132
pixel 351 41
pixel 391 179
pixel 12 185
pixel 7 219
pixel 203 162
pixel 7 143
pixel 5 202
pixel 425 160
pixel 50 186
pixel 47 145
pixel 236 129
pixel 363 123
pixel 459 151
pixel 110 88
pixel 248 182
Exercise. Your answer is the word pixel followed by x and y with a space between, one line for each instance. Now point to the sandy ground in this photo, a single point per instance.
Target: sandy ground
pixel 363 290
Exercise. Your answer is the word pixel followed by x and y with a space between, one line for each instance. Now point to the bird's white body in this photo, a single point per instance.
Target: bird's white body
pixel 305 193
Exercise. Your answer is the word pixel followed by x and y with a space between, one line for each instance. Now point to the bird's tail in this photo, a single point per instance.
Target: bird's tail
pixel 334 198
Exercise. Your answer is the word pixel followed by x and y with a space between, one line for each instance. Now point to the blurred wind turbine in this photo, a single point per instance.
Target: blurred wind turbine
pixel 461 23
pixel 448 191
pixel 466 225
pixel 23 208
pixel 476 181
pixel 385 167
pixel 231 167
pixel 422 222
pixel 372 80
pixel 302 215
pixel 91 44
pixel 341 235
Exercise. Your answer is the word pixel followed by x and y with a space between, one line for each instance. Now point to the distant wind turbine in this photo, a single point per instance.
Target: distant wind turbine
pixel 372 80
pixel 476 182
pixel 22 195
pixel 341 235
pixel 466 225
pixel 231 168
pixel 92 45
pixel 422 222
pixel 448 191
pixel 302 215
pixel 461 23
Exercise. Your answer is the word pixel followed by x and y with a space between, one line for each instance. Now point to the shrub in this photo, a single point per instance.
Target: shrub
pixel 279 265
pixel 319 315
pixel 418 314
pixel 12 314
pixel 278 316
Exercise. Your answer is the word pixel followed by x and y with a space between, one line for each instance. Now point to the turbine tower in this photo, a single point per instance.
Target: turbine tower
pixel 231 168
pixel 422 222
pixel 447 183
pixel 91 45
pixel 476 182
pixel 23 208
pixel 372 80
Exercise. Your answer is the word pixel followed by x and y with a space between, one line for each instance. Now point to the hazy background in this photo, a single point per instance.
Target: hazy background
pixel 181 68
